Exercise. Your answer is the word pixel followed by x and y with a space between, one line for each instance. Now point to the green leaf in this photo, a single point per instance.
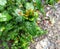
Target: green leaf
pixel 2 28
pixel 5 17
pixel 1 8
pixel 12 35
pixel 29 28
pixel 46 1
pixel 9 26
pixel 52 2
pixel 36 14
pixel 29 6
pixel 19 19
pixel 0 33
pixel 3 2
pixel 38 4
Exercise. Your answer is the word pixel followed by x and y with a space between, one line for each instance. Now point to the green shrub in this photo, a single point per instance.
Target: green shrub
pixel 18 22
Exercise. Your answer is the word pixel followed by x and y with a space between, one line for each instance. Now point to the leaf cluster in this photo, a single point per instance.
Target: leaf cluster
pixel 18 24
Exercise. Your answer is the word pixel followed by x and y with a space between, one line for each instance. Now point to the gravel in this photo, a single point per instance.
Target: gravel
pixel 52 23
